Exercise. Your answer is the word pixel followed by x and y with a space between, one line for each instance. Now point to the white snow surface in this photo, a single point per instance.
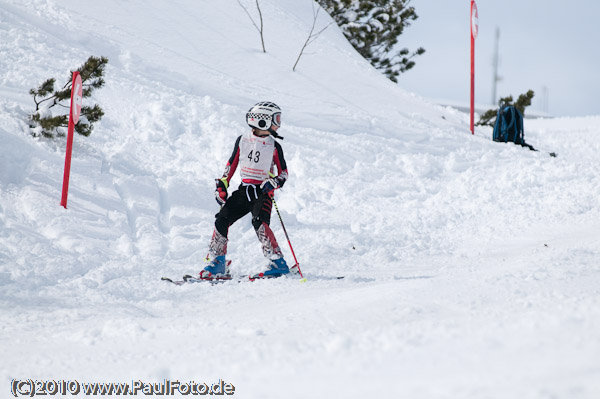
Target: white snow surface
pixel 472 268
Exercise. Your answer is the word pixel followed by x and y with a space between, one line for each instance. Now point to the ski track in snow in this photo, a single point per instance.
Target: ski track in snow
pixel 471 267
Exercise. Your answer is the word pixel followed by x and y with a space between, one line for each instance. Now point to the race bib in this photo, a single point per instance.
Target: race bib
pixel 256 158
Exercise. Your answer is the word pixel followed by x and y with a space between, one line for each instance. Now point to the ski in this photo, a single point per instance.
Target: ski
pixel 191 279
pixel 170 280
pixel 188 279
pixel 294 272
pixel 262 276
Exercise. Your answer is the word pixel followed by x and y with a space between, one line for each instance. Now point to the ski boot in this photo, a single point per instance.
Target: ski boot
pixel 217 269
pixel 275 268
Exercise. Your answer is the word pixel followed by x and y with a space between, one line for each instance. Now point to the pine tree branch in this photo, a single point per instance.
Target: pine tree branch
pixel 373 27
pixel 522 102
pixel 92 74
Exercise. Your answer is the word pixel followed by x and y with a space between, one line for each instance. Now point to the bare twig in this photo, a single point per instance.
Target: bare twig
pixel 260 30
pixel 311 36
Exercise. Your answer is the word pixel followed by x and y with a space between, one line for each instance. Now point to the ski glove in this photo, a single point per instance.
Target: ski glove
pixel 269 185
pixel 221 191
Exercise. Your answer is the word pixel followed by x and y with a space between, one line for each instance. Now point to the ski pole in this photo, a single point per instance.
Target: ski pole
pixel 272 195
pixel 288 239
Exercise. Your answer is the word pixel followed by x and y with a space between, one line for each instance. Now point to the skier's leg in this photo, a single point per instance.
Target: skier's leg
pixel 267 240
pixel 218 245
pixel 234 209
pixel 217 249
pixel 261 217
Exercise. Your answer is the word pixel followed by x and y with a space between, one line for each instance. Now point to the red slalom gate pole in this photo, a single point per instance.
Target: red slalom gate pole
pixel 474 31
pixel 74 111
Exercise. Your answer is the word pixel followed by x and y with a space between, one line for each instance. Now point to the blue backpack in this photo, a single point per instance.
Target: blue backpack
pixel 509 125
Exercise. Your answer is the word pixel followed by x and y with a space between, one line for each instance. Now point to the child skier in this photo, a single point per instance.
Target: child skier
pixel 256 153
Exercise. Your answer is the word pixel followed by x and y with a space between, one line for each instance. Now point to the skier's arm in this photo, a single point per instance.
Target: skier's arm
pixel 223 182
pixel 233 161
pixel 279 161
pixel 276 181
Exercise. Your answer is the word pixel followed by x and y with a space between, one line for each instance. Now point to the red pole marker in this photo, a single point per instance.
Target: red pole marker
pixel 74 111
pixel 474 31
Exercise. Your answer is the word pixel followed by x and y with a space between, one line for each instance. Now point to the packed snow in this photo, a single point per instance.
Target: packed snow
pixel 471 268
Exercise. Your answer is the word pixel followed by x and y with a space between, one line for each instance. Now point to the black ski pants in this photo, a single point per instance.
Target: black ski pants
pixel 246 199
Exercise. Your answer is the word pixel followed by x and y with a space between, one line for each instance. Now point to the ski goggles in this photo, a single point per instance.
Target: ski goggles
pixel 263 121
pixel 277 119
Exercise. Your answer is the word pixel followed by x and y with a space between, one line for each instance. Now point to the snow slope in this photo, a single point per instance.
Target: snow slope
pixel 471 267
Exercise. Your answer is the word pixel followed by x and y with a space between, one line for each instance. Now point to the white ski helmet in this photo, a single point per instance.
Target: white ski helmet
pixel 264 114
